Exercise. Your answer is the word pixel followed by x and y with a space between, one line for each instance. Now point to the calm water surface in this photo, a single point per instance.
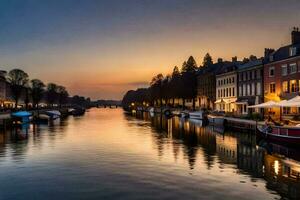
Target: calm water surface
pixel 107 154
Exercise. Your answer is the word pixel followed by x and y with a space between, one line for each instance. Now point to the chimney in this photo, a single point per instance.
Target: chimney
pixel 295 36
pixel 268 52
pixel 234 59
pixel 220 60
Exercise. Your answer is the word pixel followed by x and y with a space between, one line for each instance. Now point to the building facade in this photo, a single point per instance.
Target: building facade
pixel 282 74
pixel 226 88
pixel 250 85
pixel 206 85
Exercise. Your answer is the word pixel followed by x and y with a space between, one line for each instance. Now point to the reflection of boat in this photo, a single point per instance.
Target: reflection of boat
pixel 286 134
pixel 199 115
pixel 21 117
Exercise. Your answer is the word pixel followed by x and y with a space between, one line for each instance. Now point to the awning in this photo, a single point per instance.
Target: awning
pixel 269 104
pixel 242 102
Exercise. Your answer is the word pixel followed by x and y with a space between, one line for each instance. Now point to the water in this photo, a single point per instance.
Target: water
pixel 107 154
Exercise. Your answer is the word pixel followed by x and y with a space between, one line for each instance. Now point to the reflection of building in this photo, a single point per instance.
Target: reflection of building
pixel 250 82
pixel 227 148
pixel 282 72
pixel 226 87
pixel 283 175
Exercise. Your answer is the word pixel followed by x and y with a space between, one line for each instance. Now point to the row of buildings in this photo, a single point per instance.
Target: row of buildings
pixel 232 86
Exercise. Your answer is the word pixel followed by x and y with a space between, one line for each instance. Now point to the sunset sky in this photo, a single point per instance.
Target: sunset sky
pixel 101 48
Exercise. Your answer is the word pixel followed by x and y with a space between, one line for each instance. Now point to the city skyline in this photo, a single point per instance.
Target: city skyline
pixel 101 49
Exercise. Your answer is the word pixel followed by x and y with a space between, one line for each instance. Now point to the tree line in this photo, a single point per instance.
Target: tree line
pixel 163 90
pixel 35 90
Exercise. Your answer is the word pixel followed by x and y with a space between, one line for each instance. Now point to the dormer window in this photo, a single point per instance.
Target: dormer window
pixel 271 58
pixel 293 51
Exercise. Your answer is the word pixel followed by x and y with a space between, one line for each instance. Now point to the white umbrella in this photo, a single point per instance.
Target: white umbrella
pixel 269 104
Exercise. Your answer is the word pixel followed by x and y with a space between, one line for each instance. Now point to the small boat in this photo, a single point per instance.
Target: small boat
pixel 216 120
pixel 184 114
pixel 282 134
pixel 199 115
pixel 167 112
pixel 78 111
pixel 21 117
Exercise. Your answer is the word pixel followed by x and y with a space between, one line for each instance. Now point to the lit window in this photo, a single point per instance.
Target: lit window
pixel 285 87
pixel 293 86
pixel 271 71
pixel 272 87
pixel 293 68
pixel 284 70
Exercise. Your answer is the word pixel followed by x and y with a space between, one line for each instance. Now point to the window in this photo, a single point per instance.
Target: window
pixel 271 71
pixel 248 89
pixel 284 70
pixel 244 76
pixel 253 75
pixel 232 79
pixel 253 89
pixel 293 86
pixel 230 92
pixel 218 93
pixel 285 87
pixel 258 89
pixel 293 51
pixel 233 92
pixel 244 90
pixel 229 80
pixel 248 75
pixel 240 91
pixel 272 88
pixel 226 92
pixel 293 68
pixel 258 73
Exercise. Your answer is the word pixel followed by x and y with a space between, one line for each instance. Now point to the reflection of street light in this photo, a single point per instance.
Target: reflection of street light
pixel 132 104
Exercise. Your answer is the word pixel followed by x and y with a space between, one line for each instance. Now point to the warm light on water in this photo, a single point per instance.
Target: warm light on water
pixel 110 155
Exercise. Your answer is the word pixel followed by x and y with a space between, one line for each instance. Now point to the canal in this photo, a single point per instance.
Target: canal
pixel 107 154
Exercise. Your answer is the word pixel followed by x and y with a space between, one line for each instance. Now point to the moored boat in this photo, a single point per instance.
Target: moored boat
pixel 282 134
pixel 21 117
pixel 199 115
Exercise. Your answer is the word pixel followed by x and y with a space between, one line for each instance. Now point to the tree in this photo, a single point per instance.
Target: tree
pixel 52 93
pixel 207 60
pixel 156 88
pixel 189 65
pixel 62 95
pixel 37 91
pixel 18 80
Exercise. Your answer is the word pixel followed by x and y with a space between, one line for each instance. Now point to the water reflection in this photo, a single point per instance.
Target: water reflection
pixel 278 165
pixel 107 154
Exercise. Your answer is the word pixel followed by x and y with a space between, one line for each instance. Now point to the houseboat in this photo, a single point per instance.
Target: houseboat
pixel 21 117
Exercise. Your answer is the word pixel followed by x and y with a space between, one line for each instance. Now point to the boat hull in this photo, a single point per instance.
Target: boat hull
pixel 281 135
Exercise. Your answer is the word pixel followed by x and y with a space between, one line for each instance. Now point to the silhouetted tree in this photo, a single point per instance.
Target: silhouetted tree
pixel 52 95
pixel 156 88
pixel 189 65
pixel 18 80
pixel 207 60
pixel 37 91
pixel 62 95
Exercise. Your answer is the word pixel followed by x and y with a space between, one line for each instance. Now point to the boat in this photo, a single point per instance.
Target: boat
pixel 78 111
pixel 184 114
pixel 198 115
pixel 282 134
pixel 216 120
pixel 21 117
pixel 167 112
